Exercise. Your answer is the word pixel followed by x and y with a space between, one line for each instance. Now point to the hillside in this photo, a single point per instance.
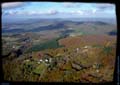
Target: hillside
pixel 83 59
pixel 87 40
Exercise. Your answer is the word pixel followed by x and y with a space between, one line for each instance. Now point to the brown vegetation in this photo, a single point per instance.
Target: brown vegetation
pixel 87 40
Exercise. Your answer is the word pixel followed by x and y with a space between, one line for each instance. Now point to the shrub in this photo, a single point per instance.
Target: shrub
pixel 107 49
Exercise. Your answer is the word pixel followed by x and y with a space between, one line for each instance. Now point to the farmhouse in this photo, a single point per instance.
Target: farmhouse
pixel 44 58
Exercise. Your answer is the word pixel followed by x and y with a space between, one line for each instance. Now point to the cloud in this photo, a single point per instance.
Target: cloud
pixel 80 12
pixel 67 4
pixel 70 4
pixel 84 12
pixel 9 12
pixel 51 12
pixel 94 11
pixel 10 5
pixel 104 6
pixel 19 12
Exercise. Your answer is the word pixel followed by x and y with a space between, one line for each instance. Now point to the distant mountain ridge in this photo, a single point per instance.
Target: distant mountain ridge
pixel 53 24
pixel 31 20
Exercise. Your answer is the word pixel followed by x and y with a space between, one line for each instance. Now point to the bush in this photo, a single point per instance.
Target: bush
pixel 39 69
pixel 107 49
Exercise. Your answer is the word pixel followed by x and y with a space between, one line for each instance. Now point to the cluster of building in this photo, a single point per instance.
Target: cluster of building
pixel 44 58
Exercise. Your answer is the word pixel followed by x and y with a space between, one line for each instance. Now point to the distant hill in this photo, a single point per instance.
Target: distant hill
pixel 113 32
pixel 85 27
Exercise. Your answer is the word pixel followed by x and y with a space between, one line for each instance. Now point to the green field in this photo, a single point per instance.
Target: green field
pixel 47 45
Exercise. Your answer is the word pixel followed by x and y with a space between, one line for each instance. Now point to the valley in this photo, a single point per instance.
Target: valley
pixel 59 51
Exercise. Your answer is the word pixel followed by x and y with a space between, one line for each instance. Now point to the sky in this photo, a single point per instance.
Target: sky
pixel 58 10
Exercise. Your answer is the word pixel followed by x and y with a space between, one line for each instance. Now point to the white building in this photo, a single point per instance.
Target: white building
pixel 27 60
pixel 46 60
pixel 38 62
pixel 13 47
pixel 97 71
pixel 41 60
pixel 87 46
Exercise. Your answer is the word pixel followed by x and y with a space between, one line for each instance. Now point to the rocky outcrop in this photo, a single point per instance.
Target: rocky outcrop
pixel 76 66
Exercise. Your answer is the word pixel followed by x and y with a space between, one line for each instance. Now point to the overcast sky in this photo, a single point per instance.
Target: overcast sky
pixel 58 10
